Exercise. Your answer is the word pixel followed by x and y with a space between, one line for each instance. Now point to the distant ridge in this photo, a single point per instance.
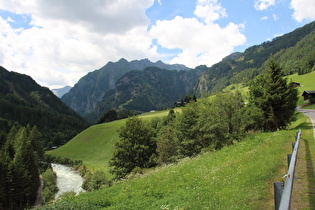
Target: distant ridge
pixel 294 51
pixel 61 91
pixel 90 89
pixel 150 89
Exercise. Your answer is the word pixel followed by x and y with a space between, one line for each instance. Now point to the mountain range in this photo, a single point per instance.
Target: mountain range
pixel 144 90
pixel 295 52
pixel 137 86
pixel 142 85
pixel 91 89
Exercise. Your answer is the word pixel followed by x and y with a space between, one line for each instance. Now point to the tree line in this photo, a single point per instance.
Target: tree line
pixel 206 125
pixel 21 155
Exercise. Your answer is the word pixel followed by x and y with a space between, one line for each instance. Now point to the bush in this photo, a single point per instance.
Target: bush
pixel 95 181
pixel 50 185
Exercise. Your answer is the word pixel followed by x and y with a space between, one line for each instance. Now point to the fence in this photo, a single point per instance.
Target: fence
pixel 283 190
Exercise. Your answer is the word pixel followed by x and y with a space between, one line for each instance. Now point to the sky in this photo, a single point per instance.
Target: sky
pixel 57 42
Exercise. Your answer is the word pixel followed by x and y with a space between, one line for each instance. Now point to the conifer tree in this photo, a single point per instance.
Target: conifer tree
pixel 274 97
pixel 19 169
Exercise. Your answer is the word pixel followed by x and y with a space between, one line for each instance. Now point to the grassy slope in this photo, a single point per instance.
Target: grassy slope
pixel 236 177
pixel 95 145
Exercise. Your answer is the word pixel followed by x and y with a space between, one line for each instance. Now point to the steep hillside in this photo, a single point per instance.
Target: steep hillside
pixel 90 89
pixel 25 102
pixel 295 51
pixel 151 89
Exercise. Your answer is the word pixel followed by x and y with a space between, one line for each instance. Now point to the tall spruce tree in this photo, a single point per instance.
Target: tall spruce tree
pixel 274 97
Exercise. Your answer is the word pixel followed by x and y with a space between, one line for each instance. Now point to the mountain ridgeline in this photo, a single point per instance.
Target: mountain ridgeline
pixel 295 52
pixel 23 102
pixel 61 91
pixel 90 90
pixel 150 89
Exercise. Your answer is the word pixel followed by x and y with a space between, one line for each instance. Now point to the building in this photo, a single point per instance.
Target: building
pixel 307 94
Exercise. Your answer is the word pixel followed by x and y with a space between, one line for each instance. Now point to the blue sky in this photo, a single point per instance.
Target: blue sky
pixel 59 41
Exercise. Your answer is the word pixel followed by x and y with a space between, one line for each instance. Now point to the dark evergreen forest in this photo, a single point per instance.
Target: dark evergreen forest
pixel 20 157
pixel 24 102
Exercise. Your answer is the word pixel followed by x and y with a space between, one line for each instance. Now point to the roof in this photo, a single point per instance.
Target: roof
pixel 308 92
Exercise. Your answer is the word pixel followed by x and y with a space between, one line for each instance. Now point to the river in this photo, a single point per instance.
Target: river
pixel 67 179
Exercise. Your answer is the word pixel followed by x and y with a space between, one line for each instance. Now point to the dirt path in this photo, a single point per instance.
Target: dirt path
pixel 303 196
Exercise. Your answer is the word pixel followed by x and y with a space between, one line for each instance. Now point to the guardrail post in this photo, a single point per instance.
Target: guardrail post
pixel 278 189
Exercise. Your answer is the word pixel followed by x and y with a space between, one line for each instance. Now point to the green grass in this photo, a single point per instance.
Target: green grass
pixel 237 177
pixel 95 145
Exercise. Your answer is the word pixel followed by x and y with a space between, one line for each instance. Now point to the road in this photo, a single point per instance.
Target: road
pixel 310 113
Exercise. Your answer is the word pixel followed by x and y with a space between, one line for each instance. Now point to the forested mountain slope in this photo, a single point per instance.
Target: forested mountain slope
pixel 151 89
pixel 25 102
pixel 90 89
pixel 295 51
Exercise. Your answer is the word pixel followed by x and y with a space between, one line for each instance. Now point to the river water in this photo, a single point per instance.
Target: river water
pixel 67 179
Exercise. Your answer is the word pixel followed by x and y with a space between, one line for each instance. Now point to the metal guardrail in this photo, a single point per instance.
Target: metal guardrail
pixel 283 190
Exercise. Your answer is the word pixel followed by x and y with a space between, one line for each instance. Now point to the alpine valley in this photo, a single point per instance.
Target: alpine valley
pixel 217 152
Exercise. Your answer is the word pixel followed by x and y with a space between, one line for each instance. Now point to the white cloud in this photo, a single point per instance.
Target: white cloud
pixel 264 4
pixel 200 43
pixel 209 10
pixel 264 18
pixel 73 37
pixel 303 9
pixel 275 17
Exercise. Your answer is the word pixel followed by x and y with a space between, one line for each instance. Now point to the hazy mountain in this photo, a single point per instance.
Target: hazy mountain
pixel 90 89
pixel 61 91
pixel 294 51
pixel 150 89
pixel 24 102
